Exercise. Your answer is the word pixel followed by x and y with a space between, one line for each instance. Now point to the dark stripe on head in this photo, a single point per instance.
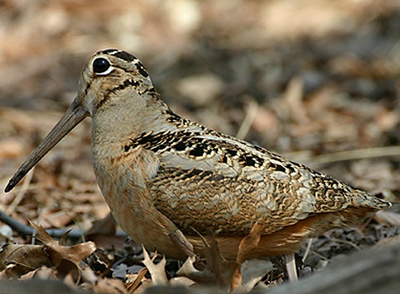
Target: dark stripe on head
pixel 120 54
pixel 125 56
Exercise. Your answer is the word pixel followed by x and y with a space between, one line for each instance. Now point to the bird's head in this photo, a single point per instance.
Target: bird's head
pixel 114 87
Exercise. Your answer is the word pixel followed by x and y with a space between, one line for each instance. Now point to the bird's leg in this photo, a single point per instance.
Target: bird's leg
pixel 173 232
pixel 290 262
pixel 180 240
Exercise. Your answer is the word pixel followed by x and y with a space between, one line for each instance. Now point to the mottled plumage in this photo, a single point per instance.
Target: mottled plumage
pixel 163 175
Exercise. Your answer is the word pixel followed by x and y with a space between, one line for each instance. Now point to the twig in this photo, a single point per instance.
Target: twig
pixel 248 120
pixel 348 155
pixel 33 236
pixel 25 230
pixel 309 243
pixel 346 243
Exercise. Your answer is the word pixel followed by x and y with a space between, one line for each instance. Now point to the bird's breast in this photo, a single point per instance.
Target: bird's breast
pixel 122 180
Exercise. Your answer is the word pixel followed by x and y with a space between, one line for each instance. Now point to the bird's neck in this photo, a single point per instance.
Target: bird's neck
pixel 117 125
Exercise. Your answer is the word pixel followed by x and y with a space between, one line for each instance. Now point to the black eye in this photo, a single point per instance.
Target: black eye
pixel 101 66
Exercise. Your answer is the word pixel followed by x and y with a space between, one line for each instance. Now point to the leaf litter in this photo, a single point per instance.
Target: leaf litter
pixel 319 91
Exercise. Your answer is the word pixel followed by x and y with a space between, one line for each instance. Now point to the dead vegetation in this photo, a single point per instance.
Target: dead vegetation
pixel 315 80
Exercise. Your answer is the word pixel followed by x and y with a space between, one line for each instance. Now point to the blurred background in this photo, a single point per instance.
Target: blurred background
pixel 316 80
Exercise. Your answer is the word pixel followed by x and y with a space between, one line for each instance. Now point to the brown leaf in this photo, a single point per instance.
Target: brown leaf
pixel 69 280
pixel 88 275
pixel 20 259
pixel 43 236
pixel 43 273
pixel 236 280
pixel 181 281
pixel 58 252
pixel 102 233
pixel 388 241
pixel 57 219
pixel 79 252
pixel 106 226
pixel 109 286
pixel 157 271
pixel 64 259
pixel 108 242
pixel 252 271
pixel 101 262
pixel 68 268
pixel 218 270
pixel 132 286
pixel 188 270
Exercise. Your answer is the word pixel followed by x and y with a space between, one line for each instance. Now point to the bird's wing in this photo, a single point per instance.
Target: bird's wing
pixel 213 182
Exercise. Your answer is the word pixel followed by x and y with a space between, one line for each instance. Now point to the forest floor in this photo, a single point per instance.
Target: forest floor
pixel 316 81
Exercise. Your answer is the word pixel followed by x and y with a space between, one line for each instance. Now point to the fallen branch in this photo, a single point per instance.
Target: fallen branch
pixel 25 230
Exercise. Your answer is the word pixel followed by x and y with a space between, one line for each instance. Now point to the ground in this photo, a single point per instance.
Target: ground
pixel 314 80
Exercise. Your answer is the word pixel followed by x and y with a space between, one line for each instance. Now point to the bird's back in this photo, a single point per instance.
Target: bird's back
pixel 216 183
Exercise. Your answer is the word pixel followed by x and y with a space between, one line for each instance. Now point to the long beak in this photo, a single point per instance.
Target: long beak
pixel 74 115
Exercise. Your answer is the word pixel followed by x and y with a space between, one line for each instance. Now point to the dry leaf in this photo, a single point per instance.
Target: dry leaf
pixel 102 233
pixel 252 271
pixel 157 271
pixel 218 270
pixel 17 260
pixel 57 219
pixel 37 286
pixel 182 281
pixel 388 241
pixel 88 276
pixel 67 267
pixel 188 270
pixel 58 252
pixel 43 273
pixel 132 286
pixel 109 286
pixel 70 280
pixel 106 226
pixel 246 246
pixel 101 262
pixel 64 259
pixel 108 242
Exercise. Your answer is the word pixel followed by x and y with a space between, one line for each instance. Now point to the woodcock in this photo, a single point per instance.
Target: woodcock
pixel 166 178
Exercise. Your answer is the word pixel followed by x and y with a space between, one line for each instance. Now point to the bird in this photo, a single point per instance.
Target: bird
pixel 169 180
